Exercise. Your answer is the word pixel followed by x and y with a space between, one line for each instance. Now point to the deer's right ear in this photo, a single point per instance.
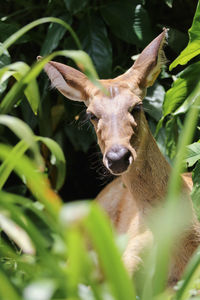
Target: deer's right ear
pixel 70 82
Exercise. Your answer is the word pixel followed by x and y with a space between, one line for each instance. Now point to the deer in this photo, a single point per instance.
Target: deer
pixel 130 152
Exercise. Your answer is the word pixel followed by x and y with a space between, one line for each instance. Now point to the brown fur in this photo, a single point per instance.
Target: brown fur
pixel 133 196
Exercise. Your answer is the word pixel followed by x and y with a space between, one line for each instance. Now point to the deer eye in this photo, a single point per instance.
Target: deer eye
pixel 136 108
pixel 92 116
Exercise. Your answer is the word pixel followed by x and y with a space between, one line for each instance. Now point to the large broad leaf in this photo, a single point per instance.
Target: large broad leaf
pixel 95 42
pixel 18 70
pixel 171 137
pixel 193 154
pixel 184 90
pixel 54 35
pixel 119 17
pixel 142 26
pixel 193 47
pixel 75 6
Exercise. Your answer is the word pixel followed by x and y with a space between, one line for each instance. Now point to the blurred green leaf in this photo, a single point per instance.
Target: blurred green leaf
pixel 193 47
pixel 7 291
pixel 94 39
pixel 169 3
pixel 118 16
pixel 23 131
pixel 18 151
pixel 75 6
pixel 193 154
pixel 58 159
pixel 118 278
pixel 18 70
pixel 80 57
pixel 36 181
pixel 39 290
pixel 142 26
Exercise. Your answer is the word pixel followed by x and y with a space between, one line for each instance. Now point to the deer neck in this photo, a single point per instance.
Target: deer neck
pixel 148 175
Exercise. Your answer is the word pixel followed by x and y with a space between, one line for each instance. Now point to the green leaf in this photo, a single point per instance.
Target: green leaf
pixel 196 188
pixel 14 37
pixel 142 26
pixel 7 291
pixel 94 39
pixel 193 154
pixel 75 6
pixel 4 57
pixel 23 131
pixel 171 137
pixel 80 57
pixel 117 277
pixel 183 92
pixel 193 47
pixel 35 180
pixel 118 15
pixel 18 151
pixel 4 60
pixel 18 70
pixel 57 158
pixel 54 35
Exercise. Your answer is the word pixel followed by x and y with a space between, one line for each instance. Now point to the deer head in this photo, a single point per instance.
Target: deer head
pixel 117 117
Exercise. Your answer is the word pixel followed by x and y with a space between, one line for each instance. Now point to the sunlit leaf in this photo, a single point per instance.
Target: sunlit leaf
pixel 193 154
pixel 193 47
pixel 183 92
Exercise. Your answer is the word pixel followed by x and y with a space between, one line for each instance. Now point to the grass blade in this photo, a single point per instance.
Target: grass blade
pixel 102 238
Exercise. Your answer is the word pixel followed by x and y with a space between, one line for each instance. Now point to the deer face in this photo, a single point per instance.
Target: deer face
pixel 116 116
pixel 115 119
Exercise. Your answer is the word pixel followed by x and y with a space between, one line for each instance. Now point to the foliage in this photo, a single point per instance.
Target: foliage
pixel 44 251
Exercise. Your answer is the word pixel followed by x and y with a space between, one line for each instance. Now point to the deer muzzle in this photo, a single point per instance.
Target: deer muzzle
pixel 117 159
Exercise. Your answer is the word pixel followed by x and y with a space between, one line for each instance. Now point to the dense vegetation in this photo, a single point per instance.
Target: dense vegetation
pixel 43 135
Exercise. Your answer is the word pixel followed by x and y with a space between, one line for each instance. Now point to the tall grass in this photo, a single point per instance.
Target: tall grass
pixel 59 264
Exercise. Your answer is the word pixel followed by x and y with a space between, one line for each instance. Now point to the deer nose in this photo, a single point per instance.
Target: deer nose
pixel 118 159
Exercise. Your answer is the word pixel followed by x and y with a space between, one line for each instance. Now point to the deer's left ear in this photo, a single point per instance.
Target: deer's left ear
pixel 148 65
pixel 72 83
